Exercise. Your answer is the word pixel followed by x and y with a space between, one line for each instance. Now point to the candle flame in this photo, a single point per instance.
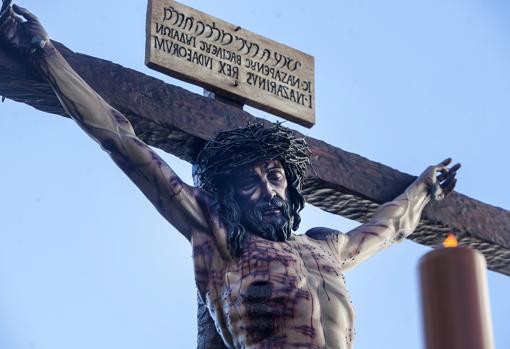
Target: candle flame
pixel 450 241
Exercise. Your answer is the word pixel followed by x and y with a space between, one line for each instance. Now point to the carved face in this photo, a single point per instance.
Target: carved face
pixel 261 191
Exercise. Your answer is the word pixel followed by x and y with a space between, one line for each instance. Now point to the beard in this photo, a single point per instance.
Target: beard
pixel 270 219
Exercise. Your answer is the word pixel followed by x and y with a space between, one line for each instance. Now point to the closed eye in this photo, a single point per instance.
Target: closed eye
pixel 247 183
pixel 275 175
pixel 247 186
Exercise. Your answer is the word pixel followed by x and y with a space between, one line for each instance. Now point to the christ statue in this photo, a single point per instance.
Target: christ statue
pixel 264 285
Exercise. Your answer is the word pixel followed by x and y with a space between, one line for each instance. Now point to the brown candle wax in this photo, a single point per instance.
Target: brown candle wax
pixel 456 312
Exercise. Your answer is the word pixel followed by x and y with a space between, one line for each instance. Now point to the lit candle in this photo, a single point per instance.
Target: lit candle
pixel 455 300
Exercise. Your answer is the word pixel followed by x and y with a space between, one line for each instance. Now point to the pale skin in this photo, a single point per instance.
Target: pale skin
pixel 287 294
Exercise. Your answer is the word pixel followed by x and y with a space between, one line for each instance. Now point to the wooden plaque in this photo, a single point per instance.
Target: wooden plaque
pixel 228 60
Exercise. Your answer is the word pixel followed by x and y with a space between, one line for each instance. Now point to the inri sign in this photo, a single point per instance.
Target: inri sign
pixel 230 61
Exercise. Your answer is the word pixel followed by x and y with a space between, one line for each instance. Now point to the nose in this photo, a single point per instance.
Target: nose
pixel 268 191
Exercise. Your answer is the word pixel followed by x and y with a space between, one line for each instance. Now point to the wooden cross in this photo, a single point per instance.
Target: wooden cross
pixel 344 183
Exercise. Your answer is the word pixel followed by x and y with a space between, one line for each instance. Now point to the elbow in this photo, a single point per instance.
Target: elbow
pixel 400 236
pixel 121 121
pixel 109 144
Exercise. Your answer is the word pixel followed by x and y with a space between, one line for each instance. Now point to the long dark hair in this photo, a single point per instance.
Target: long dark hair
pixel 231 211
pixel 233 149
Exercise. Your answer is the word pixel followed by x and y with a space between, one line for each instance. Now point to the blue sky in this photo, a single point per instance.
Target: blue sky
pixel 86 262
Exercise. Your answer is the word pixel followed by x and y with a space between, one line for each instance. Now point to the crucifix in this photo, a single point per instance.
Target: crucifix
pixel 353 199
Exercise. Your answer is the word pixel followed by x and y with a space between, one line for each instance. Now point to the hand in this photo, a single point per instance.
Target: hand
pixel 20 29
pixel 439 180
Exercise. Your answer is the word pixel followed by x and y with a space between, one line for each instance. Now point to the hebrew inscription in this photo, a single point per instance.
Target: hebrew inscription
pixel 193 46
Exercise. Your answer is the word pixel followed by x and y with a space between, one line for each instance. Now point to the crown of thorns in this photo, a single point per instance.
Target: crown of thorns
pixel 243 146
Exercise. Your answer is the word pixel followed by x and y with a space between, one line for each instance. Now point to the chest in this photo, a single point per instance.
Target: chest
pixel 280 290
pixel 285 262
pixel 292 276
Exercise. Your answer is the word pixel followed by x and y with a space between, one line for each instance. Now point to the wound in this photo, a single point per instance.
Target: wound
pixel 260 311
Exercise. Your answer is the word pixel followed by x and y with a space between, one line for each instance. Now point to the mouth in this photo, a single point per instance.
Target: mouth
pixel 271 212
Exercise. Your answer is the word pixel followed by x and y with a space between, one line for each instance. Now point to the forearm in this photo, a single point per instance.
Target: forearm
pixel 402 214
pixel 397 219
pixel 392 222
pixel 94 115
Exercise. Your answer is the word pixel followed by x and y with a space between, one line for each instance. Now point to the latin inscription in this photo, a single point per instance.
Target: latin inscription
pixel 204 50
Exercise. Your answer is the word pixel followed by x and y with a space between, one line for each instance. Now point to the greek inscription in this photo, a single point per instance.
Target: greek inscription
pixel 220 52
pixel 183 38
pixel 180 51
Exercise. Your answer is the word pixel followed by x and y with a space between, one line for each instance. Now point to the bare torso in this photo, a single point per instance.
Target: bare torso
pixel 277 294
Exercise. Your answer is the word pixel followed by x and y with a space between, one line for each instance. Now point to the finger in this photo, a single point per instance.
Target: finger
pixel 7 19
pixel 443 170
pixel 24 12
pixel 6 12
pixel 5 5
pixel 449 188
pixel 455 167
pixel 445 162
pixel 443 178
pixel 443 166
pixel 445 173
pixel 447 180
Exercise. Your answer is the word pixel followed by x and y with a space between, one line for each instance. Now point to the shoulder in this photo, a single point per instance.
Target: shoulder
pixel 216 231
pixel 330 239
pixel 322 233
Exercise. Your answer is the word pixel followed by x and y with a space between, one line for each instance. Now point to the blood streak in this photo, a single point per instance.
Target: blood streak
pixel 270 298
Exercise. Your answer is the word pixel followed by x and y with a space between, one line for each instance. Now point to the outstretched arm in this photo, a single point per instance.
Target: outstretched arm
pixel 397 219
pixel 176 201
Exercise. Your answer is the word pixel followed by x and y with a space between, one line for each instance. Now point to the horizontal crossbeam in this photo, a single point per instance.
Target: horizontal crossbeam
pixel 180 122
